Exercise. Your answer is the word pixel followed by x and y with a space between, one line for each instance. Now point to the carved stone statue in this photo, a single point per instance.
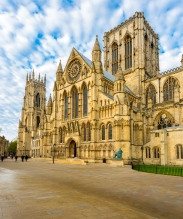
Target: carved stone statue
pixel 118 154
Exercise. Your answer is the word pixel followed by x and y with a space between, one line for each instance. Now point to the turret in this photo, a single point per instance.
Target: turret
pixel 96 56
pixel 59 71
pixel 182 61
pixel 27 78
pixel 39 77
pixel 49 106
pixel 33 75
pixel 45 80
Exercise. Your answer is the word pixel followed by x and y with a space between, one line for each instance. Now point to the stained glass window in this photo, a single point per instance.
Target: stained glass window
pixel 110 131
pixel 74 103
pixel 168 89
pixel 85 101
pixel 103 132
pixel 128 52
pixel 66 107
pixel 114 58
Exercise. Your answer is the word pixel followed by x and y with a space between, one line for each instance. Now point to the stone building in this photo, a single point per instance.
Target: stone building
pixel 3 146
pixel 96 110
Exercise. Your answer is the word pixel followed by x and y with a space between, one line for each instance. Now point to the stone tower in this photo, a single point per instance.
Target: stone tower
pixel 31 124
pixel 134 46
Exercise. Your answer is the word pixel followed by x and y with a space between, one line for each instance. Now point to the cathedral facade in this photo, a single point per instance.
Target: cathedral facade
pixel 96 108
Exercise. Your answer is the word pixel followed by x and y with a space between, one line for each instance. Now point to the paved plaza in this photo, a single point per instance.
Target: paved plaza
pixel 39 189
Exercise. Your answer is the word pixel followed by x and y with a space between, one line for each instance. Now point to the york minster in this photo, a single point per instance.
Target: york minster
pixel 98 107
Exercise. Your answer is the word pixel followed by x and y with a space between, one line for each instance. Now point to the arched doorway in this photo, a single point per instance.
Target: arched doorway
pixel 72 149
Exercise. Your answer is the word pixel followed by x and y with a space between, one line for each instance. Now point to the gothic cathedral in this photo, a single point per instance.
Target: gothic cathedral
pixel 96 108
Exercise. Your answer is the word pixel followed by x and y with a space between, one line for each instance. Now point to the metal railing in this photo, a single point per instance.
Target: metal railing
pixel 166 170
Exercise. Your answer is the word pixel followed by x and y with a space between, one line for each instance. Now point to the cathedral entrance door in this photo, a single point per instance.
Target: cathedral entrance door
pixel 72 149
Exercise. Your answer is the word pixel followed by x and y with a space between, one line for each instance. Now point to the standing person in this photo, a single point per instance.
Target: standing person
pixel 2 158
pixel 16 157
pixel 26 157
pixel 22 158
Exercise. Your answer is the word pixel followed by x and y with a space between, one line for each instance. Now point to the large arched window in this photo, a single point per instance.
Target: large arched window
pixel 110 131
pixel 103 132
pixel 164 121
pixel 156 152
pixel 168 89
pixel 148 152
pixel 179 149
pixel 74 103
pixel 66 107
pixel 37 100
pixel 151 94
pixel 128 52
pixel 85 101
pixel 114 58
pixel 37 121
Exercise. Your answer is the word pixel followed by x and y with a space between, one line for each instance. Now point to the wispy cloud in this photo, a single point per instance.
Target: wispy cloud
pixel 36 34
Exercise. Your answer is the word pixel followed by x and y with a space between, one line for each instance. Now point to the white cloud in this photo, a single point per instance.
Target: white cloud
pixel 61 26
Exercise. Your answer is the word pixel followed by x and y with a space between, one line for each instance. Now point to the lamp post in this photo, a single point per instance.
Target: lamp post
pixel 53 151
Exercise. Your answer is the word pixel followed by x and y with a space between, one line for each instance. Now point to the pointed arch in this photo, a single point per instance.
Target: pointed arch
pixel 85 100
pixel 163 120
pixel 89 131
pixel 114 58
pixel 128 51
pixel 37 100
pixel 103 132
pixel 150 94
pixel 110 131
pixel 168 88
pixel 65 106
pixel 74 93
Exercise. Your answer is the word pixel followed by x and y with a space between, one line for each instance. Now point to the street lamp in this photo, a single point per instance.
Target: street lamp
pixel 53 151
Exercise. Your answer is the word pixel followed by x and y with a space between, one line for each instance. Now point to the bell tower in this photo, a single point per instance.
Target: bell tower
pixel 32 115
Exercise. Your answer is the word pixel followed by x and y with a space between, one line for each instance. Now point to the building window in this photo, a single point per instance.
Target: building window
pixel 66 107
pixel 164 122
pixel 103 132
pixel 37 121
pixel 110 131
pixel 128 52
pixel 148 152
pixel 89 132
pixel 74 103
pixel 156 152
pixel 60 135
pixel 168 89
pixel 151 94
pixel 84 132
pixel 156 134
pixel 114 58
pixel 85 101
pixel 37 100
pixel 179 149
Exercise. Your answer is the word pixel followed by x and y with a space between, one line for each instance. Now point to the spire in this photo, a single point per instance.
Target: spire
pixel 59 71
pixel 27 78
pixel 119 74
pixel 33 74
pixel 39 77
pixel 96 45
pixel 45 79
pixel 49 104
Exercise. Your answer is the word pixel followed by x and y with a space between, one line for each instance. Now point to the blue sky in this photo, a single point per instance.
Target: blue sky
pixel 38 33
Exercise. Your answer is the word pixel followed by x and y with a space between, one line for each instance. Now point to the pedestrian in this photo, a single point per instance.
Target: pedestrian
pixel 22 158
pixel 26 157
pixel 2 158
pixel 16 157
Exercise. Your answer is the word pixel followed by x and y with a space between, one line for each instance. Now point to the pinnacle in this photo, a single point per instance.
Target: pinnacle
pixel 96 45
pixel 119 74
pixel 59 69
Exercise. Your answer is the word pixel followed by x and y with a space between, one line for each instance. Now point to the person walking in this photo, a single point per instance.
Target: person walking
pixel 2 158
pixel 22 158
pixel 26 157
pixel 16 157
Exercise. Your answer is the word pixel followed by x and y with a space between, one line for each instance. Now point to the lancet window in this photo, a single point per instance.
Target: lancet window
pixel 89 132
pixel 151 94
pixel 85 101
pixel 84 132
pixel 148 152
pixel 37 100
pixel 168 89
pixel 114 58
pixel 60 133
pixel 66 107
pixel 110 131
pixel 128 52
pixel 156 152
pixel 37 121
pixel 179 149
pixel 74 103
pixel 103 132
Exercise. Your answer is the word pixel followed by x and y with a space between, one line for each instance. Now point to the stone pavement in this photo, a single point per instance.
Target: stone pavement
pixel 38 189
